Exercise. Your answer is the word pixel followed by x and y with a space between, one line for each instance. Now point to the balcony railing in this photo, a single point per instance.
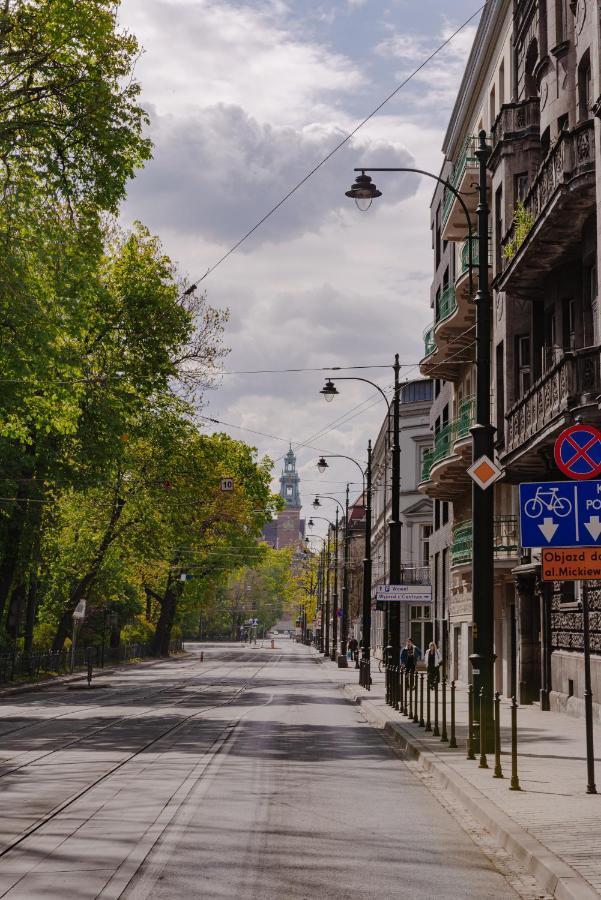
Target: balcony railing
pixel 467 160
pixel 506 540
pixel 515 120
pixel 415 575
pixel 429 342
pixel 446 304
pixel 464 262
pixel 572 154
pixel 448 435
pixel 575 374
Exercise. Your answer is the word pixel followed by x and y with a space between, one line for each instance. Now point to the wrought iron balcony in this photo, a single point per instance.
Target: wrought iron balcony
pixel 506 540
pixel 572 382
pixel 549 223
pixel 445 440
pixel 467 160
pixel 429 342
pixel 415 575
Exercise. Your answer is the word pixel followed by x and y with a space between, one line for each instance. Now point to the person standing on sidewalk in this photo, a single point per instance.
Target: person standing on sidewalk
pixel 353 646
pixel 433 660
pixel 409 657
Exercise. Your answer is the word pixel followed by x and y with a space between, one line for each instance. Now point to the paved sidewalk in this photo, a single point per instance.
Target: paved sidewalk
pixel 552 824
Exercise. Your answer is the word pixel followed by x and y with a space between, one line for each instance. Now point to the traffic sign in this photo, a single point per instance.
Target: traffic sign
pixel 227 484
pixel 484 472
pixel 560 514
pixel 404 593
pixel 578 452
pixel 571 564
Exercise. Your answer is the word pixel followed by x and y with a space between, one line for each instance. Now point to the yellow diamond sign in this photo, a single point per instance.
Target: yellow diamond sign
pixel 484 472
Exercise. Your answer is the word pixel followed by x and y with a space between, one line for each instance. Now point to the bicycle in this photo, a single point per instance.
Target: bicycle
pixel 547 500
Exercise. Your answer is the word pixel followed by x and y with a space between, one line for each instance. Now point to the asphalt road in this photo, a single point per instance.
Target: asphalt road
pixel 244 776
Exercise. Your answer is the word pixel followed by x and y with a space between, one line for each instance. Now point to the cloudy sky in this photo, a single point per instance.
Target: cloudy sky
pixel 245 98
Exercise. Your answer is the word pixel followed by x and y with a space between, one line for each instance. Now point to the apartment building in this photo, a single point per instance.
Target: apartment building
pixel 415 510
pixel 532 83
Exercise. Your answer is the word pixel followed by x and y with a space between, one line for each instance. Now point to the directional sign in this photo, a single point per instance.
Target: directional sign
pixel 560 514
pixel 578 452
pixel 404 593
pixel 574 564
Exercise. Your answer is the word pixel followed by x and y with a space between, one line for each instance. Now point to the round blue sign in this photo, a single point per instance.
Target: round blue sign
pixel 578 452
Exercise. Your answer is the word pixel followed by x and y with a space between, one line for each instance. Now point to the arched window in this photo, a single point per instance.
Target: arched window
pixel 530 85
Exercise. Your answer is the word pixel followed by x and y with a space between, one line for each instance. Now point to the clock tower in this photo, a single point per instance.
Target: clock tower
pixel 289 525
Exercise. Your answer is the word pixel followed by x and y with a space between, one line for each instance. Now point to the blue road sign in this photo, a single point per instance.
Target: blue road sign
pixel 560 514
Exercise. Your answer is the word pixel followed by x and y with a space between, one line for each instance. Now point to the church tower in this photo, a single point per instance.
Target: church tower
pixel 289 526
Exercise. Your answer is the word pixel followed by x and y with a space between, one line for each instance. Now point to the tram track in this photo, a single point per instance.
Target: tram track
pixel 171 730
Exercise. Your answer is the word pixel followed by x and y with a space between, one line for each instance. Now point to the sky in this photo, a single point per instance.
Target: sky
pixel 245 98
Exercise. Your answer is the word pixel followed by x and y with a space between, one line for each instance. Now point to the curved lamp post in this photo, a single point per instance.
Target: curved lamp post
pixel 342 660
pixel 334 526
pixel 482 658
pixel 324 634
pixel 392 640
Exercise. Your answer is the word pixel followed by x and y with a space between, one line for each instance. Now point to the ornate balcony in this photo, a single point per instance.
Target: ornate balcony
pixel 515 122
pixel 444 473
pixel 462 280
pixel 570 387
pixel 464 176
pixel 450 341
pixel 506 542
pixel 560 199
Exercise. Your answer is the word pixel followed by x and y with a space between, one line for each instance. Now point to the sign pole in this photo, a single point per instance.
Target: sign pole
pixel 588 693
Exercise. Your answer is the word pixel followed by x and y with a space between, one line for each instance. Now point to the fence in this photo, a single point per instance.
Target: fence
pixel 30 666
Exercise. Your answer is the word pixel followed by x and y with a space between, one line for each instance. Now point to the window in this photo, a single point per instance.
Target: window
pixel 445 512
pixel 545 141
pixel 500 393
pixel 492 107
pixel 501 83
pixel 569 324
pixel 563 123
pixel 436 515
pixel 421 626
pixel 436 387
pixel 425 531
pixel 561 21
pixel 499 229
pixel 524 373
pixel 289 491
pixel 592 285
pixel 521 186
pixel 445 569
pixel 584 87
pixel 530 86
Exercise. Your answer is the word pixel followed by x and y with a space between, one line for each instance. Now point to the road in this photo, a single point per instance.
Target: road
pixel 247 775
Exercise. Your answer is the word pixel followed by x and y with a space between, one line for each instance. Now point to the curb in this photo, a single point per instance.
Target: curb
pixel 44 684
pixel 553 874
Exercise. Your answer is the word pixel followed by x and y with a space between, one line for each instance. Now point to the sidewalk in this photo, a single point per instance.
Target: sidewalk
pixel 552 825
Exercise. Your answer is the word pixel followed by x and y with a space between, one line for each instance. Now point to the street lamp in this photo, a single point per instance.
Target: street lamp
pixel 328 391
pixel 311 524
pixel 393 648
pixel 482 431
pixel 322 465
pixel 366 611
pixel 324 636
pixel 363 191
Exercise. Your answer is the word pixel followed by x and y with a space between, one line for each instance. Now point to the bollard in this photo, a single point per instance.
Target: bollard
pixel 421 700
pixel 397 687
pixel 406 704
pixel 411 694
pixel 428 690
pixel 515 781
pixel 202 656
pixel 415 682
pixel 498 770
pixel 90 661
pixel 470 723
pixel 402 697
pixel 444 737
pixel 453 741
pixel 272 644
pixel 436 731
pixel 483 764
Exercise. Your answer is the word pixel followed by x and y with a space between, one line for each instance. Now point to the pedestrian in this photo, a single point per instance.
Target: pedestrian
pixel 433 660
pixel 409 657
pixel 354 648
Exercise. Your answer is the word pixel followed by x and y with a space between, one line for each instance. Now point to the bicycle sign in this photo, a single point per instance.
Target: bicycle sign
pixel 560 514
pixel 578 452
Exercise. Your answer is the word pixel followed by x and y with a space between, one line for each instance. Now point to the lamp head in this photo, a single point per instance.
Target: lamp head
pixel 316 504
pixel 363 191
pixel 322 465
pixel 329 390
pixel 310 524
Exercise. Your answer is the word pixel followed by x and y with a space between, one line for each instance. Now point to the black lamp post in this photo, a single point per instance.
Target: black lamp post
pixel 322 594
pixel 322 465
pixel 329 391
pixel 333 525
pixel 342 660
pixel 482 659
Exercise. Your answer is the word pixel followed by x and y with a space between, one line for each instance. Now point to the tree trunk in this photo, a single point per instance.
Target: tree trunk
pixel 83 586
pixel 162 635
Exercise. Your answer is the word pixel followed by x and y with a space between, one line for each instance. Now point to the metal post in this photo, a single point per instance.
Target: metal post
pixel 470 722
pixel 90 663
pixel 366 624
pixel 334 651
pixel 321 577
pixel 410 708
pixel 428 691
pixel 453 741
pixel 403 688
pixel 498 770
pixel 483 500
pixel 588 694
pixel 395 525
pixel 421 700
pixel 327 622
pixel 483 761
pixel 436 731
pixel 444 736
pixel 515 781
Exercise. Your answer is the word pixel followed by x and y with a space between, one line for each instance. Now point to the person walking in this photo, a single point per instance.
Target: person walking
pixel 409 657
pixel 353 646
pixel 433 659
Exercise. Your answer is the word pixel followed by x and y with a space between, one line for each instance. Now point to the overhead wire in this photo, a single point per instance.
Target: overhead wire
pixel 332 152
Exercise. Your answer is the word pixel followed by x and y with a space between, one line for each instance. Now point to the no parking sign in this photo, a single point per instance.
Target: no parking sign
pixel 578 452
